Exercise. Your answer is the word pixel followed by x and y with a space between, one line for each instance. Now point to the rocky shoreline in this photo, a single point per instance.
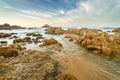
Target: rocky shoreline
pixel 18 63
pixel 94 40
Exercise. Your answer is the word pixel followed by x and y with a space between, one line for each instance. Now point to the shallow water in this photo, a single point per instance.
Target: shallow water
pixel 87 66
pixel 78 61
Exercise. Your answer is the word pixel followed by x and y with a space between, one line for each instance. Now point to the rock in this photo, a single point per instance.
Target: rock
pixel 49 42
pixel 3 42
pixel 8 52
pixel 37 37
pixel 9 27
pixel 54 30
pixel 52 44
pixel 36 40
pixel 36 65
pixel 4 35
pixel 116 30
pixel 46 26
pixel 15 37
pixel 72 31
pixel 67 77
pixel 34 35
pixel 25 39
pixel 96 41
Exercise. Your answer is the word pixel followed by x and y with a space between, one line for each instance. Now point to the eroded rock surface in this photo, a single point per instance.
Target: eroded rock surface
pixel 52 44
pixel 97 41
pixel 29 65
pixel 54 30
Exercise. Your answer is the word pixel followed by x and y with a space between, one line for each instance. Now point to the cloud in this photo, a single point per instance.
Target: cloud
pixel 30 17
pixel 61 11
pixel 93 13
pixel 86 13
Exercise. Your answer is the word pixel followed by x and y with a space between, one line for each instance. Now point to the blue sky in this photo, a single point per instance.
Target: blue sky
pixel 71 13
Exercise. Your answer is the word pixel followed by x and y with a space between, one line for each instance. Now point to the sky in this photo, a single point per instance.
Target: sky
pixel 67 13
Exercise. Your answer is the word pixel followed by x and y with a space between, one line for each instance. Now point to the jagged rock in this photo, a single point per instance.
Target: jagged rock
pixel 96 41
pixel 36 65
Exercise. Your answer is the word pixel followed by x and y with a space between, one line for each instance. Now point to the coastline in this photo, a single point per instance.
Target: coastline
pixel 61 48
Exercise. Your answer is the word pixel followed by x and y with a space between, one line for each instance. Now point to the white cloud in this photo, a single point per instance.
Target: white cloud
pixel 87 13
pixel 93 13
pixel 61 11
pixel 30 17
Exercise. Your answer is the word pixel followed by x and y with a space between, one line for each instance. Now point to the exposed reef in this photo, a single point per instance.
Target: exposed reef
pixel 96 41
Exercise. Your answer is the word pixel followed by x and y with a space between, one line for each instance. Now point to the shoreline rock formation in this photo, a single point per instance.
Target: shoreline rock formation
pixel 53 30
pixel 97 41
pixel 9 27
pixel 116 30
pixel 28 65
pixel 51 44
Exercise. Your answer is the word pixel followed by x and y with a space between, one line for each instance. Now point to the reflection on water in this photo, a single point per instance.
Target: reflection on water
pixel 79 62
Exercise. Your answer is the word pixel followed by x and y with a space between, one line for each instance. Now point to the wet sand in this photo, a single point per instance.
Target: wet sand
pixel 83 69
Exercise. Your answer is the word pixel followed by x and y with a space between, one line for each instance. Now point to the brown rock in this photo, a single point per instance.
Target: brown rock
pixel 9 27
pixel 3 35
pixel 116 30
pixel 26 39
pixel 67 77
pixel 52 44
pixel 8 52
pixel 54 30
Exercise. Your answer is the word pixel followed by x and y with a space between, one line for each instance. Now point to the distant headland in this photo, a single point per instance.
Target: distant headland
pixel 9 27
